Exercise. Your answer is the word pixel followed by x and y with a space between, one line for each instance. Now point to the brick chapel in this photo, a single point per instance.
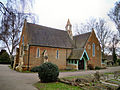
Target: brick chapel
pixel 40 44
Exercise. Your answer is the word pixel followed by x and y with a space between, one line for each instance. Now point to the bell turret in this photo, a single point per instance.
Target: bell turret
pixel 69 29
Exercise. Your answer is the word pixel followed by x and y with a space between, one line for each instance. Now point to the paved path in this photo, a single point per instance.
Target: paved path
pixel 12 80
pixel 78 73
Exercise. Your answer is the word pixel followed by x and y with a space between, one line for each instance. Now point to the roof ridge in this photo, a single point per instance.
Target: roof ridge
pixel 47 27
pixel 82 34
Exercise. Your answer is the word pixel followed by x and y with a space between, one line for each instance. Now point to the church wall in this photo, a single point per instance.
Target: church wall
pixel 94 60
pixel 52 53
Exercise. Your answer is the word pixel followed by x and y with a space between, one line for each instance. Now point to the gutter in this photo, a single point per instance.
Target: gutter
pixel 50 46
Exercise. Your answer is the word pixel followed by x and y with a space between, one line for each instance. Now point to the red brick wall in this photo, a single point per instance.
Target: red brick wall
pixel 60 62
pixel 34 61
pixel 94 60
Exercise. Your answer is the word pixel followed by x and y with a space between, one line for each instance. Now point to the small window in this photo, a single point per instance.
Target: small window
pixel 57 54
pixel 93 49
pixel 23 39
pixel 68 27
pixel 38 52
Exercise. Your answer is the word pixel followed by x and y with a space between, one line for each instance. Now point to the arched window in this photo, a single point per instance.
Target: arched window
pixel 69 27
pixel 57 54
pixel 93 51
pixel 38 52
pixel 23 40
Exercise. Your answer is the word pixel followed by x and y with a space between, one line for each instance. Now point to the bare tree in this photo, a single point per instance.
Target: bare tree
pixel 101 28
pixel 85 27
pixel 114 15
pixel 113 47
pixel 114 43
pixel 11 24
pixel 104 33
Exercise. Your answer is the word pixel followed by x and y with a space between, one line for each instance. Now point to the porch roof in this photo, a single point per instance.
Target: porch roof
pixel 78 54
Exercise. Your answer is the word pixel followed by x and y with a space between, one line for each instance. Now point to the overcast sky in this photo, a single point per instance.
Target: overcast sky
pixel 54 13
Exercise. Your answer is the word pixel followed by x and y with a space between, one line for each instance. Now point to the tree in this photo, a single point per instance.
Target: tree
pixel 114 15
pixel 101 28
pixel 12 22
pixel 103 33
pixel 114 56
pixel 113 47
pixel 4 57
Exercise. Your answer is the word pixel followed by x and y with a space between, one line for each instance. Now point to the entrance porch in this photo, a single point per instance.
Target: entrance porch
pixel 80 63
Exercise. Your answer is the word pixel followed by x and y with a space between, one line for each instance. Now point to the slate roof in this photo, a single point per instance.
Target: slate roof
pixel 76 53
pixel 80 40
pixel 46 36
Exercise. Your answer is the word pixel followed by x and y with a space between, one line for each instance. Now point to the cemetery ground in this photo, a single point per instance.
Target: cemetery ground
pixel 76 80
pixel 96 81
pixel 87 80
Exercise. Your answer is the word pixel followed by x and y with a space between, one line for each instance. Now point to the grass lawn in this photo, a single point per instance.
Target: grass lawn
pixel 55 86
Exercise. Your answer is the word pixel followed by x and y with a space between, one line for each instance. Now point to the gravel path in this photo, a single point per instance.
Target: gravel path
pixel 12 80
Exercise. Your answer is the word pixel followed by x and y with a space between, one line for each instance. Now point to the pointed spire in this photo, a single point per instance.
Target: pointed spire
pixel 68 22
pixel 68 25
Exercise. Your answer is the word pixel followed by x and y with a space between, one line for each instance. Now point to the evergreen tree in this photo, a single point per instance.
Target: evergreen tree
pixel 114 56
pixel 4 57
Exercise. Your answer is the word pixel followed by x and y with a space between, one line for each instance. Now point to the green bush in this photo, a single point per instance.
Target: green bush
pixel 35 69
pixel 4 57
pixel 48 72
pixel 118 61
pixel 97 68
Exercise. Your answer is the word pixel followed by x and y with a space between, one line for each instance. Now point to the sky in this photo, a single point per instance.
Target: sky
pixel 55 13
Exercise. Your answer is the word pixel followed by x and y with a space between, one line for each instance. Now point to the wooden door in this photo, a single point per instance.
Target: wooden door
pixel 81 64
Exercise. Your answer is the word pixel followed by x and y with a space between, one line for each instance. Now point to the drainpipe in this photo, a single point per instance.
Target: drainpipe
pixel 28 56
pixel 66 57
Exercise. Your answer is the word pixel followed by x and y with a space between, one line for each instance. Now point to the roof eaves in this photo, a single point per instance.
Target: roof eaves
pixel 50 46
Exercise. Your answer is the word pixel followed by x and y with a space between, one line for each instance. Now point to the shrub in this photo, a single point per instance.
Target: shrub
pixel 48 72
pixel 118 61
pixel 90 66
pixel 4 57
pixel 97 68
pixel 35 69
